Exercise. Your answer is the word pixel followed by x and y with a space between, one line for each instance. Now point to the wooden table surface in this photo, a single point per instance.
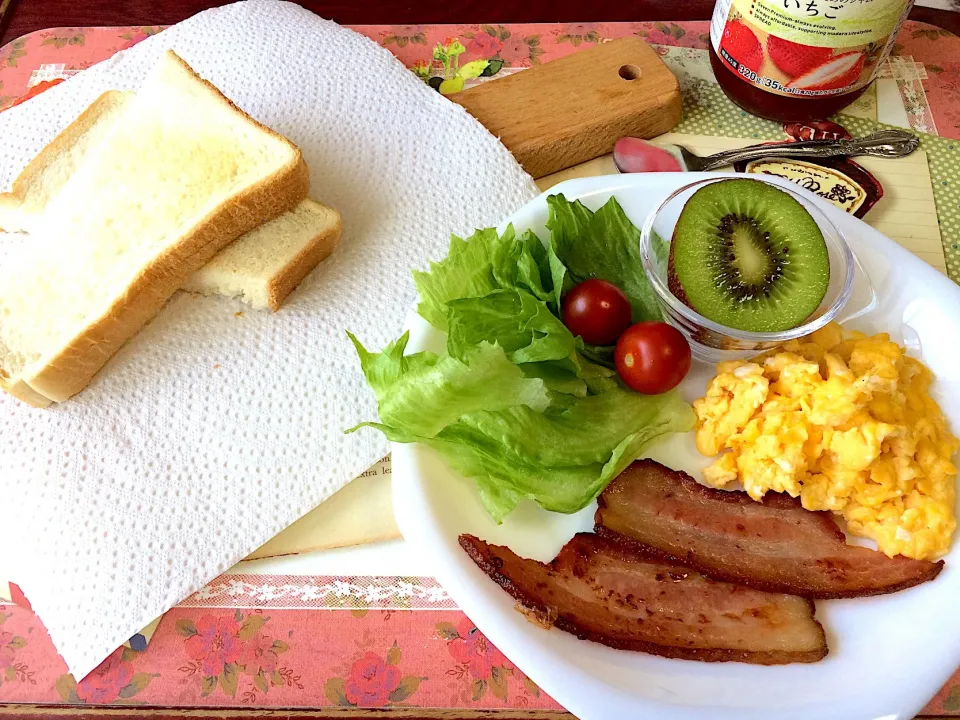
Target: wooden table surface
pixel 18 17
pixel 47 712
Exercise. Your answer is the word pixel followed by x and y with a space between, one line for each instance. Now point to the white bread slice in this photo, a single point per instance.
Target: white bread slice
pixel 265 265
pixel 179 175
pixel 260 268
pixel 42 178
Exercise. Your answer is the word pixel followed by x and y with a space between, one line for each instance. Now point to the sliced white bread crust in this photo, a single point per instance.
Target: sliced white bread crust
pixel 265 265
pixel 42 178
pixel 260 268
pixel 179 176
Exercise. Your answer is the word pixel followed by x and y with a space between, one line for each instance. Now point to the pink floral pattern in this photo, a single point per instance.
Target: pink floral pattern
pixel 114 680
pixel 134 38
pixel 670 34
pixel 222 648
pixel 352 649
pixel 60 40
pixel 471 648
pixel 373 681
pixel 480 665
pixel 12 669
pixel 259 655
pixel 483 45
pixel 579 33
pixel 7 653
pixel 521 51
pixel 502 46
pixel 104 684
pixel 403 35
pixel 213 643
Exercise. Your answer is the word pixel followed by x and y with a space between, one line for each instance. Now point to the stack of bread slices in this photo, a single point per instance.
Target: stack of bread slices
pixel 141 196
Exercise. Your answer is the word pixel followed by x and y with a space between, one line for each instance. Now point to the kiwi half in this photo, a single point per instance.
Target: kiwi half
pixel 747 255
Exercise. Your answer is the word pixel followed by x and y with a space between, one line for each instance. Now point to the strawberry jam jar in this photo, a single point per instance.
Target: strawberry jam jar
pixel 801 60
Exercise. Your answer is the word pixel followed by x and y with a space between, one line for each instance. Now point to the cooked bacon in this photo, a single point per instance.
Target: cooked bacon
pixel 772 545
pixel 601 591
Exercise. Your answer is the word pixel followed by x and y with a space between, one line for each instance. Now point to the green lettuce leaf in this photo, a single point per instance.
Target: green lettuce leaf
pixel 517 403
pixel 604 245
pixel 587 431
pixel 573 375
pixel 530 334
pixel 563 458
pixel 494 424
pixel 559 281
pixel 600 354
pixel 477 266
pixel 599 379
pixel 514 319
pixel 419 395
pixel 661 248
pixel 558 377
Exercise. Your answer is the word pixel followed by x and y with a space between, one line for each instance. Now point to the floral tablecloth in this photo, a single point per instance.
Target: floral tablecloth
pixel 284 641
pixel 925 63
pixel 306 641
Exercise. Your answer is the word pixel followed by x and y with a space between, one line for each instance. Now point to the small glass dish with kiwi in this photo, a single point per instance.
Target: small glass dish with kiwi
pixel 741 265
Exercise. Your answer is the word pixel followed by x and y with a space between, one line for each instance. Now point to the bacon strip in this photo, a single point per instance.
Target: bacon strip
pixel 600 591
pixel 772 545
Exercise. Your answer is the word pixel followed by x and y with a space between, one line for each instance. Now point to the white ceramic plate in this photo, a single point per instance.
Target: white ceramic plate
pixel 888 655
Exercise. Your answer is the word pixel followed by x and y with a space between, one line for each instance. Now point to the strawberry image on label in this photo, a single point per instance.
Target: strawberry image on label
pixel 838 72
pixel 742 45
pixel 794 59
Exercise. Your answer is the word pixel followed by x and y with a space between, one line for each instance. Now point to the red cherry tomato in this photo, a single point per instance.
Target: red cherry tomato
pixel 597 311
pixel 652 357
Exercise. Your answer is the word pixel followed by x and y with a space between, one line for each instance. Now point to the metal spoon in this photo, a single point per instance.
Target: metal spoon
pixel 886 143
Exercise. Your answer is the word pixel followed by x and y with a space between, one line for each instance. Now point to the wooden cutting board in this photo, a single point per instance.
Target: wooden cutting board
pixel 573 109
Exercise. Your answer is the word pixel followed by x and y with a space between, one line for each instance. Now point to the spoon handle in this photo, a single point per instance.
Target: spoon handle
pixel 886 143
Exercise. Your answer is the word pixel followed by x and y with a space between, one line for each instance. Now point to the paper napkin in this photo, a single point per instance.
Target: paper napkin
pixel 208 433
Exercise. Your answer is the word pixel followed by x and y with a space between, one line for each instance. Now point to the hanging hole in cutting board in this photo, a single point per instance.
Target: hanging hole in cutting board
pixel 629 72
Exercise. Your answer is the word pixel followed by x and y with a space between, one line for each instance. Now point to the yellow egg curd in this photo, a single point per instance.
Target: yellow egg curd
pixel 845 422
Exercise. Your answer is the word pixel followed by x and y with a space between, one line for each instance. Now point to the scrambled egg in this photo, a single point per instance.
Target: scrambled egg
pixel 848 425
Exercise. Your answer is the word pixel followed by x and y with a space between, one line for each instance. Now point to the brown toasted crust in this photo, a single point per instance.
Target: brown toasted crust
pixel 293 273
pixel 62 143
pixel 66 138
pixel 24 393
pixel 483 555
pixel 70 370
pixel 283 282
pixel 691 558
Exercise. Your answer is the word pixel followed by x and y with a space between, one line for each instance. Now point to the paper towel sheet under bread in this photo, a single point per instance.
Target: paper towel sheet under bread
pixel 209 433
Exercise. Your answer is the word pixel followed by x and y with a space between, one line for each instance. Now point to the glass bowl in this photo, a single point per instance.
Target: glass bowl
pixel 710 341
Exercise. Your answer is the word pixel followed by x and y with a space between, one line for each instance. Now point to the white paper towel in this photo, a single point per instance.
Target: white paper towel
pixel 209 433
